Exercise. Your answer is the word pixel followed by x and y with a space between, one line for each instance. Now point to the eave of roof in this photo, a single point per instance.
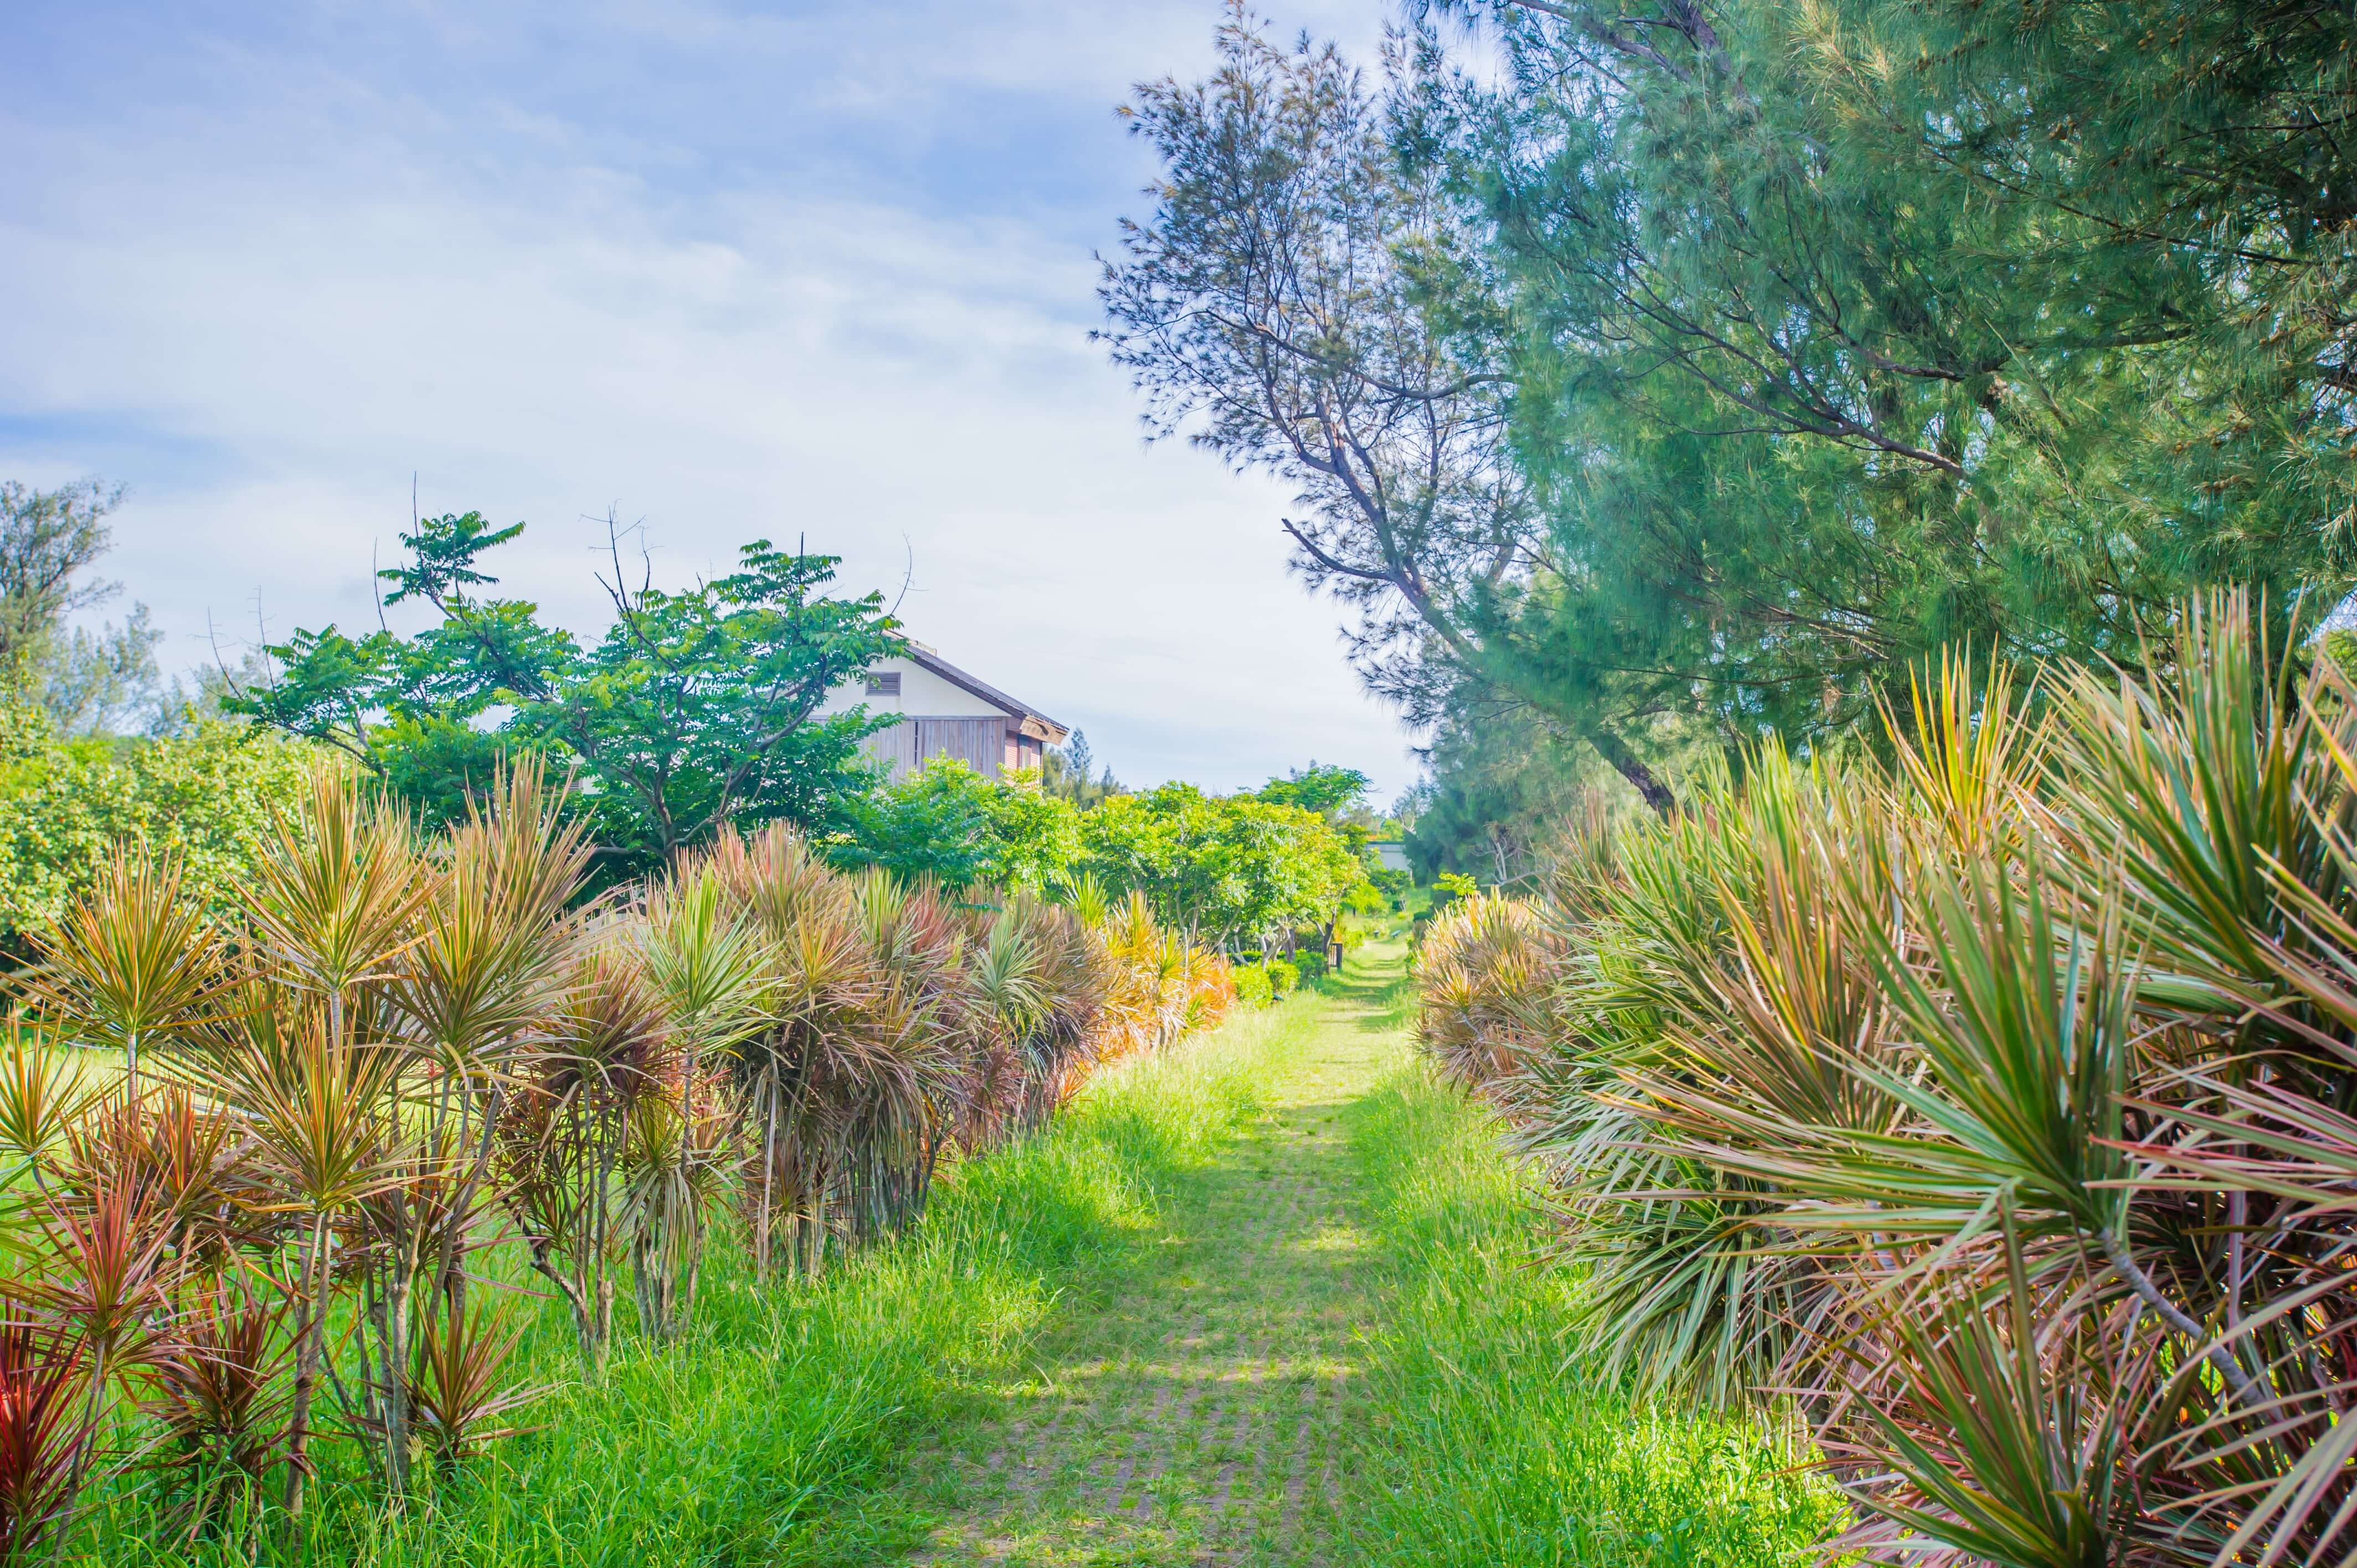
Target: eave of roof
pixel 989 694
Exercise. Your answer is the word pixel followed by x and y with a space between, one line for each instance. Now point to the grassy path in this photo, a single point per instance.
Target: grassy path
pixel 1265 1298
pixel 1197 1407
pixel 1316 1339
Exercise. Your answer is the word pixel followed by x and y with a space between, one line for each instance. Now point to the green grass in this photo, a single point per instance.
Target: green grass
pixel 1268 1296
pixel 1194 1405
pixel 758 1439
pixel 1489 1448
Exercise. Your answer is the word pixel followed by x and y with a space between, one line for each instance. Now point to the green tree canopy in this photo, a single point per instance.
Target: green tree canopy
pixel 947 823
pixel 1072 771
pixel 697 709
pixel 1704 367
pixel 1823 360
pixel 1330 791
pixel 1227 867
pixel 87 681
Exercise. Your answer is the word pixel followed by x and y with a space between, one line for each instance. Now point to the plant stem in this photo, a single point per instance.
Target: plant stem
pixel 307 1363
pixel 2246 1392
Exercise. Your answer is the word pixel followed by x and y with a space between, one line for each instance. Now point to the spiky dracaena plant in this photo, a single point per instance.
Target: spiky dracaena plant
pixel 42 1100
pixel 2224 793
pixel 1746 1037
pixel 1010 983
pixel 105 1272
pixel 133 963
pixel 2030 1060
pixel 830 1060
pixel 1210 989
pixel 336 890
pixel 710 964
pixel 404 1038
pixel 563 1136
pixel 674 1174
pixel 860 1044
pixel 310 1046
pixel 1147 1005
pixel 45 1435
pixel 181 1160
pixel 219 1390
pixel 482 966
pixel 457 1383
pixel 1486 973
pixel 1079 978
pixel 922 949
pixel 323 1122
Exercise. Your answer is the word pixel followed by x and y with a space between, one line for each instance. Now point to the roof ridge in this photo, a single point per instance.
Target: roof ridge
pixel 931 659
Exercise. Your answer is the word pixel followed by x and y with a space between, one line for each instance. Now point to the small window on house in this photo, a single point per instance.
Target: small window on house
pixel 883 685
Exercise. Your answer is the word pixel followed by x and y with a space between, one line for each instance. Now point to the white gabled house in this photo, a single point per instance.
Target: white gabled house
pixel 941 710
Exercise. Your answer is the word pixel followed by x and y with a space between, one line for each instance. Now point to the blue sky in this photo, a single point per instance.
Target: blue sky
pixel 809 269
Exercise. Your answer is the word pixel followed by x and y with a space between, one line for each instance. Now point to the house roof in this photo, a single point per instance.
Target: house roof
pixel 1036 723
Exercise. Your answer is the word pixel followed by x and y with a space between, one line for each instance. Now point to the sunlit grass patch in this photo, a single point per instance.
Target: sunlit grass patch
pixel 760 1435
pixel 1484 1445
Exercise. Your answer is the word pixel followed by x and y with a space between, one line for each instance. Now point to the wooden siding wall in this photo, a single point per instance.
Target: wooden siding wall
pixel 980 744
pixel 897 746
pixel 992 746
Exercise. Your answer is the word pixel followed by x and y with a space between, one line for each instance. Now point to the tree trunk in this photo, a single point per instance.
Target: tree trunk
pixel 577 1301
pixel 1625 763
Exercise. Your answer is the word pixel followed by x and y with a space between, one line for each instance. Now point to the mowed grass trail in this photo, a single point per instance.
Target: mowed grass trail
pixel 1197 1407
pixel 1333 1345
pixel 1265 1298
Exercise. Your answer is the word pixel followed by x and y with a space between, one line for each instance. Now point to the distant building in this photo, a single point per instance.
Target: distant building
pixel 941 710
pixel 1390 853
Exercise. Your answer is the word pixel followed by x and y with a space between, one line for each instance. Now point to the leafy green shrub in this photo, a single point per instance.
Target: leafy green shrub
pixel 1311 962
pixel 947 823
pixel 1449 885
pixel 1232 866
pixel 1253 986
pixel 1284 978
pixel 205 798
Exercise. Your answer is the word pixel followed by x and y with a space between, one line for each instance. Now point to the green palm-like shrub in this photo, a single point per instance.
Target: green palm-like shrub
pixel 1988 1108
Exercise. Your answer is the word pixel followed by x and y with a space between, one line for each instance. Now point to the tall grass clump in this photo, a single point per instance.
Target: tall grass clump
pixel 282 1187
pixel 1989 1110
pixel 1488 1446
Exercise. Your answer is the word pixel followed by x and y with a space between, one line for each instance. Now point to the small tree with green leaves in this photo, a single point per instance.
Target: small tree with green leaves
pixel 85 681
pixel 947 823
pixel 1231 868
pixel 698 709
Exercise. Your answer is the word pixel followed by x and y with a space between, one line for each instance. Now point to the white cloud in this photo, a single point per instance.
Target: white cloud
pixel 264 303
